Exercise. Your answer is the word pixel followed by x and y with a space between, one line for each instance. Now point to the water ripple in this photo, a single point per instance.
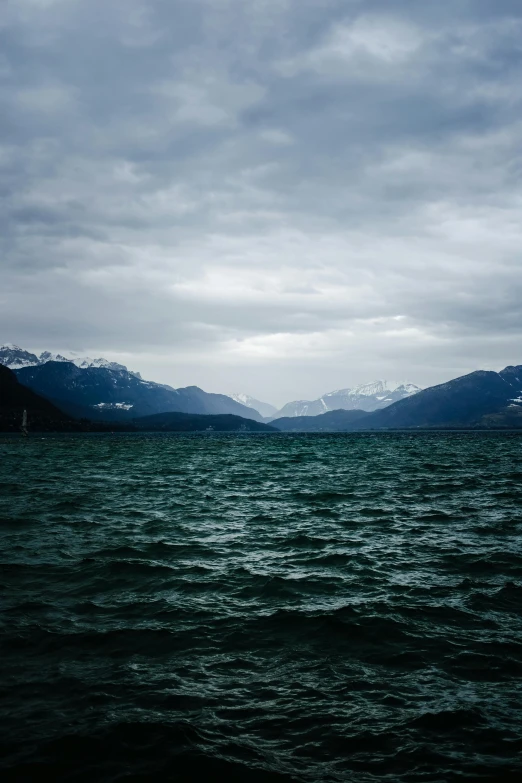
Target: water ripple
pixel 314 608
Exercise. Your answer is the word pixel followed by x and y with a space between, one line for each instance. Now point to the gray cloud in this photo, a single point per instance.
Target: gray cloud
pixel 281 197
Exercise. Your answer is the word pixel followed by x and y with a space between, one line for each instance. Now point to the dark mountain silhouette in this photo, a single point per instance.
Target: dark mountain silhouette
pixel 333 421
pixel 15 398
pixel 464 401
pixel 186 422
pixel 44 416
pixel 61 390
pixel 480 399
pixel 513 375
pixel 510 417
pixel 107 394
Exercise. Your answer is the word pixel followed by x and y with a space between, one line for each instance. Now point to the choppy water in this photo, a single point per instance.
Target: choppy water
pixel 325 608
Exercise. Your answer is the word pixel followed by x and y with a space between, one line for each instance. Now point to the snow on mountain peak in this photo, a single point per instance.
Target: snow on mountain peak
pixel 244 399
pixel 264 408
pixel 47 356
pixel 375 387
pixel 379 387
pixel 367 397
pixel 15 358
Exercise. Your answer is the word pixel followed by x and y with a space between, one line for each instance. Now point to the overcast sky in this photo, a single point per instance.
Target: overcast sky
pixel 281 197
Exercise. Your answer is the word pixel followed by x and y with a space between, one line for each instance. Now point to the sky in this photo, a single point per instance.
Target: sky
pixel 277 197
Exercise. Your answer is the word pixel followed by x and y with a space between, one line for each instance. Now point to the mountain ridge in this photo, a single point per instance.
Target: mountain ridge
pixel 481 399
pixel 14 357
pixel 15 398
pixel 99 390
pixel 105 394
pixel 465 400
pixel 264 408
pixel 17 358
pixel 367 397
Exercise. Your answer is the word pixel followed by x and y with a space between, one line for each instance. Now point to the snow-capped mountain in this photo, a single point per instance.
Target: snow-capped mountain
pixel 85 361
pixel 106 393
pixel 264 408
pixel 106 390
pixel 376 388
pixel 15 358
pixel 481 399
pixel 366 397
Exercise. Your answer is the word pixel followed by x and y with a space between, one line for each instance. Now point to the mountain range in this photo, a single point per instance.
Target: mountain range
pixel 264 408
pixel 108 392
pixel 466 401
pixel 15 358
pixel 480 399
pixel 103 393
pixel 367 397
pixel 15 398
pixel 43 416
pixel 118 396
pixel 117 393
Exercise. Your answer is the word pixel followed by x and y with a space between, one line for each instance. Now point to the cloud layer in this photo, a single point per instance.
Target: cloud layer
pixel 279 196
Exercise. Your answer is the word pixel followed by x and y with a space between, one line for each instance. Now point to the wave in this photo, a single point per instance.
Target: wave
pixel 283 608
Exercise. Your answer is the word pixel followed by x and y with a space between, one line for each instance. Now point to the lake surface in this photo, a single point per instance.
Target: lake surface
pixel 272 607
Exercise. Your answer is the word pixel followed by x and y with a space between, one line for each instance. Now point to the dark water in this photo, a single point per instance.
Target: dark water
pixel 251 608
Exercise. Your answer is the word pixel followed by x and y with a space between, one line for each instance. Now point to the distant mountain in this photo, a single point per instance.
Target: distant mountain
pixel 367 397
pixel 15 358
pixel 333 421
pixel 81 404
pixel 482 398
pixel 187 422
pixel 104 393
pixel 264 408
pixel 44 416
pixel 15 398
